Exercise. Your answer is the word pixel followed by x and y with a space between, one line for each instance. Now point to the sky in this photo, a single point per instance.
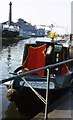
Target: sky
pixel 39 12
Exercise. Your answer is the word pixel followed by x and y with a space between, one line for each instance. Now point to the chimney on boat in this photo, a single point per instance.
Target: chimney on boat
pixel 10 13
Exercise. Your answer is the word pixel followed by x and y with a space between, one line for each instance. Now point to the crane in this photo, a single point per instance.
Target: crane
pixel 51 26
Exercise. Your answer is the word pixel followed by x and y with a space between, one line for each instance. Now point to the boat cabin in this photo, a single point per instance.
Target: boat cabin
pixel 41 54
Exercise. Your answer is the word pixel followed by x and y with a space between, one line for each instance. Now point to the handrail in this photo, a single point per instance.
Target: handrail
pixel 48 67
pixel 36 70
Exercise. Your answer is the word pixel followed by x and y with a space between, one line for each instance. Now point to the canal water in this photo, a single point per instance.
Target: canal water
pixel 10 58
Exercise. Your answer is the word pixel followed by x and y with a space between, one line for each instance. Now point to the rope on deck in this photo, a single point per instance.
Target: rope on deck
pixel 38 95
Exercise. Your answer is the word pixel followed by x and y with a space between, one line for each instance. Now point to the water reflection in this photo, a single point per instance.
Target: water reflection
pixel 0 43
pixel 12 112
pixel 10 58
pixel 9 41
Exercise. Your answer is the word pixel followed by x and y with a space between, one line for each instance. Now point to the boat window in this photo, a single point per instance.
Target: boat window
pixel 58 48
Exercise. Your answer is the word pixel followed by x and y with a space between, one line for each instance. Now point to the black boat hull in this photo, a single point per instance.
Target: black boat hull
pixel 26 100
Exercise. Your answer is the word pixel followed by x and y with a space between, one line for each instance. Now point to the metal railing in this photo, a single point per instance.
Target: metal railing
pixel 48 67
pixel 33 71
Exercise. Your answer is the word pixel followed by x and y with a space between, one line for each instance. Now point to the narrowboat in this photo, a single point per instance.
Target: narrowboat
pixel 45 65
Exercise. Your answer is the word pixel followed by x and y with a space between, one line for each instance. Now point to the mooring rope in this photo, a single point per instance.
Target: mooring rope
pixel 42 99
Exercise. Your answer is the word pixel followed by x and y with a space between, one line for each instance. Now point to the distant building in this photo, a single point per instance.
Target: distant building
pixel 21 27
pixel 40 32
pixel 26 28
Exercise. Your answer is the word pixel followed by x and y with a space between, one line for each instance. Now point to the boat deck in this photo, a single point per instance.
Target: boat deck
pixel 61 109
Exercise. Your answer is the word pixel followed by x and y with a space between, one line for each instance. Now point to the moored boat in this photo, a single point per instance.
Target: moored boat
pixel 42 61
pixel 10 31
pixel 45 68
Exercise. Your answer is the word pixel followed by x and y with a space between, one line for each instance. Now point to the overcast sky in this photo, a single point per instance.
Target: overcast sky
pixel 38 11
